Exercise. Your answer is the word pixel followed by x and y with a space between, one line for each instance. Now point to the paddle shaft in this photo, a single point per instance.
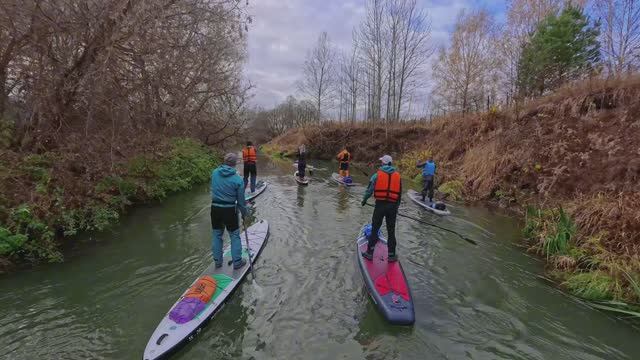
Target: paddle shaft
pixel 471 241
pixel 246 239
pixel 362 171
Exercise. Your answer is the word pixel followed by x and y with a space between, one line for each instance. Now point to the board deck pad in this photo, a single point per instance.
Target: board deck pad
pixel 386 283
pixel 169 336
pixel 261 186
pixel 416 197
pixel 299 180
pixel 337 178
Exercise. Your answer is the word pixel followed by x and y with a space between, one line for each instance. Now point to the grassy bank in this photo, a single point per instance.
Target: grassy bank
pixel 47 197
pixel 567 163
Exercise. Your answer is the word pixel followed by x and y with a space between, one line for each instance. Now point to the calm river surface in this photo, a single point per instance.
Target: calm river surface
pixel 472 302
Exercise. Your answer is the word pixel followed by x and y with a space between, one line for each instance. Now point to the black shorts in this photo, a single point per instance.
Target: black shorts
pixel 344 166
pixel 224 217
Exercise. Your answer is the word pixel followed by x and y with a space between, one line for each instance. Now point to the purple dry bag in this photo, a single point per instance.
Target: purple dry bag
pixel 186 310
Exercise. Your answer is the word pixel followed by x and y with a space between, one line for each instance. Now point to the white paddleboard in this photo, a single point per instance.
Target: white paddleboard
pixel 170 336
pixel 417 198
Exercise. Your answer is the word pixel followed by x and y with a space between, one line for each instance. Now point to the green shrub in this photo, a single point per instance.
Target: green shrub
pixel 10 243
pixel 102 217
pixel 189 162
pixel 142 166
pixel 27 235
pixel 452 189
pixel 38 168
pixel 35 238
pixel 407 163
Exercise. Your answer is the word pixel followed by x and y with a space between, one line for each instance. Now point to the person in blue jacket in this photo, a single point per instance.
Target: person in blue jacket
pixel 428 178
pixel 227 197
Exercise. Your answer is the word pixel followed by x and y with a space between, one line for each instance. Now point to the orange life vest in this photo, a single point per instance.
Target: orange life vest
pixel 203 289
pixel 344 156
pixel 387 186
pixel 249 154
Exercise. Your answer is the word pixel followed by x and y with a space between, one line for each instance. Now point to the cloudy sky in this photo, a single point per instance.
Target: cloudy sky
pixel 284 30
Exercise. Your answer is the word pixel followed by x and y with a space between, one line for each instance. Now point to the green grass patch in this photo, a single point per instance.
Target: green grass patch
pixel 593 286
pixel 271 150
pixel 552 230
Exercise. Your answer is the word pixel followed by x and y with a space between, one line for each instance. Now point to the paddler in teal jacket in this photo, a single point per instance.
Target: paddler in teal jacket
pixel 227 197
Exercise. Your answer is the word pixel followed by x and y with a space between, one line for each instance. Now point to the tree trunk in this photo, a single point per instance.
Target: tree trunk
pixel 3 91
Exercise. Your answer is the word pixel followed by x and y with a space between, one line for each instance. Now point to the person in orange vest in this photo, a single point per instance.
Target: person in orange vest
pixel 249 158
pixel 386 187
pixel 344 158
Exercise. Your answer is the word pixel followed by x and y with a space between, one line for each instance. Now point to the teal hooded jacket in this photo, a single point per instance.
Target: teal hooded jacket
pixel 227 189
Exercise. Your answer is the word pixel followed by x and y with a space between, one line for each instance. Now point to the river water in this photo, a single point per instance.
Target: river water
pixel 472 302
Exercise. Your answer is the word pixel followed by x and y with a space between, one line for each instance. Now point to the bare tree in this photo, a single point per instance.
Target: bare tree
pixel 415 50
pixel 523 16
pixel 319 73
pixel 394 45
pixel 620 34
pixel 464 69
pixel 168 65
pixel 289 114
pixel 372 47
pixel 16 26
pixel 350 71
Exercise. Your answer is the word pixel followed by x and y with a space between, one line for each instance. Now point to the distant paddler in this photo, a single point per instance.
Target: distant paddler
pixel 249 158
pixel 344 159
pixel 302 161
pixel 428 177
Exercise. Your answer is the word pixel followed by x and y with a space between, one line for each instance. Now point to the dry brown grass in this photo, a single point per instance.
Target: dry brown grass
pixel 617 215
pixel 563 149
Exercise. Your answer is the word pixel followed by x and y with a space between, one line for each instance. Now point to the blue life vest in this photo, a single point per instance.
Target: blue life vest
pixel 429 168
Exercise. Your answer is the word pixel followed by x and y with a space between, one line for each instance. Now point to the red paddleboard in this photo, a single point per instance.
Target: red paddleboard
pixel 386 283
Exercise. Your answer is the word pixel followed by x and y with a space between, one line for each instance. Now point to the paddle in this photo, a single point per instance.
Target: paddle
pixel 471 241
pixel 362 171
pixel 246 238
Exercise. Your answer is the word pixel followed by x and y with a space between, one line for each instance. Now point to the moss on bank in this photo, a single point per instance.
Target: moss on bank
pixel 33 229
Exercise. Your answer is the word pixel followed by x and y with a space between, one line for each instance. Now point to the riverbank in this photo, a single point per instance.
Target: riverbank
pixel 568 163
pixel 86 184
